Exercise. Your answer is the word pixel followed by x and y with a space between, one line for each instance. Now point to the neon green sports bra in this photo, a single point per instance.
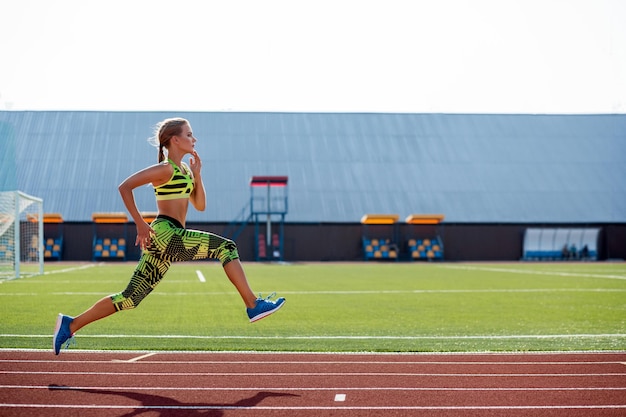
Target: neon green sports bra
pixel 179 186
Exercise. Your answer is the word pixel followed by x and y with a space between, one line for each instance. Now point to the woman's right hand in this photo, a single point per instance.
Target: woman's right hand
pixel 144 235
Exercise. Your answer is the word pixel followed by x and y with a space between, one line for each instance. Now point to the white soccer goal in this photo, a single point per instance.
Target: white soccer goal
pixel 21 235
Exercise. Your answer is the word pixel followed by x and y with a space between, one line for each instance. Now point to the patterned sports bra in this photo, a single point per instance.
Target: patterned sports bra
pixel 179 186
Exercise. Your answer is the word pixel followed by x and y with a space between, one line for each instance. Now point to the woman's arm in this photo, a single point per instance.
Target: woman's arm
pixel 156 174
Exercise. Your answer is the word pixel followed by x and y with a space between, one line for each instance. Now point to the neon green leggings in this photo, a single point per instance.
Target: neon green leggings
pixel 171 242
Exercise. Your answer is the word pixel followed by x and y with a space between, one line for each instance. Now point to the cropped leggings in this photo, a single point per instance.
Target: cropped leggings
pixel 171 242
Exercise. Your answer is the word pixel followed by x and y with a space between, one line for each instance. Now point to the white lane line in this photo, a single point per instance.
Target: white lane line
pixel 147 355
pixel 296 408
pixel 340 397
pixel 339 374
pixel 138 358
pixel 373 363
pixel 200 276
pixel 281 389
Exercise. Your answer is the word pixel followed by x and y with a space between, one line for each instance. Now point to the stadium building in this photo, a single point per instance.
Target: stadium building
pixel 485 178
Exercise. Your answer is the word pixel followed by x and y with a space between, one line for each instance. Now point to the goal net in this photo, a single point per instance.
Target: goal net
pixel 21 235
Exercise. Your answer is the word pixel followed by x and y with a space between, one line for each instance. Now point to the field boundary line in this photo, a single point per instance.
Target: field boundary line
pixel 301 362
pixel 329 337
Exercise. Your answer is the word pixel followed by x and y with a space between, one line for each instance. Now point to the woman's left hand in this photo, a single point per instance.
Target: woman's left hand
pixel 198 197
pixel 195 163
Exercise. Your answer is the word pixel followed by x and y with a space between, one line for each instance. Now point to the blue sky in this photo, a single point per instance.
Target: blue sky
pixel 449 56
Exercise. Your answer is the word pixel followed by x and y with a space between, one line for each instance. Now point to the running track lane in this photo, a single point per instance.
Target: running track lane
pixel 164 384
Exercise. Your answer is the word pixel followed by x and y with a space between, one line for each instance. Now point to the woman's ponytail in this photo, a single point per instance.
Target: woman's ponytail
pixel 161 154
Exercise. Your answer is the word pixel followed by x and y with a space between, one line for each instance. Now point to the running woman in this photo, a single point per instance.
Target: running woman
pixel 166 240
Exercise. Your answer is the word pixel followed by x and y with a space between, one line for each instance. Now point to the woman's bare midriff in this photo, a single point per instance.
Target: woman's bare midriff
pixel 176 209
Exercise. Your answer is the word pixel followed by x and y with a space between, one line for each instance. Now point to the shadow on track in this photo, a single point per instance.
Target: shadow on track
pixel 169 407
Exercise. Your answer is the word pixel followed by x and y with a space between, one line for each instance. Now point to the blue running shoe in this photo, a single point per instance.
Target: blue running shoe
pixel 264 307
pixel 62 333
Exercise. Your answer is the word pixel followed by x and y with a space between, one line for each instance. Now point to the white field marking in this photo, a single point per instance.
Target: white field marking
pixel 121 281
pixel 360 292
pixel 314 408
pixel 532 272
pixel 75 268
pixel 340 397
pixel 340 374
pixel 34 294
pixel 426 389
pixel 364 337
pixel 200 276
pixel 58 271
pixel 355 292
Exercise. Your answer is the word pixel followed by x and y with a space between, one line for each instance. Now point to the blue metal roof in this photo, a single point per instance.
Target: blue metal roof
pixel 472 168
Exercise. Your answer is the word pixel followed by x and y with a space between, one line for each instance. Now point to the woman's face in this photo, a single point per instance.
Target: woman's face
pixel 186 139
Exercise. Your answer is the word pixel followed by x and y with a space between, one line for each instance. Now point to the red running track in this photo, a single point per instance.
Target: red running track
pixel 163 384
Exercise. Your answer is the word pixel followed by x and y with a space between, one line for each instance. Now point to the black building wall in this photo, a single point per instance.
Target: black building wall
pixel 314 242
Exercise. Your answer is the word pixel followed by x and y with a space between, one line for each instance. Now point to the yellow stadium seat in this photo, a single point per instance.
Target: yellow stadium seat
pixel 120 253
pixel 105 253
pixel 106 241
pixel 98 247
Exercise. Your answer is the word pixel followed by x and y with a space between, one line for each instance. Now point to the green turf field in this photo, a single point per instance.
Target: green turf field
pixel 396 307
